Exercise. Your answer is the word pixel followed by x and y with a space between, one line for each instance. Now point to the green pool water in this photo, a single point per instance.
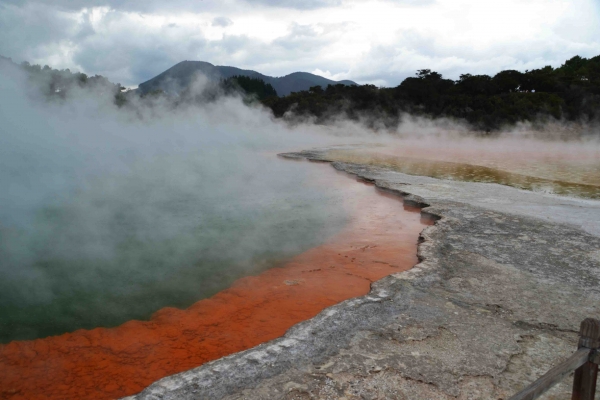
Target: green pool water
pixel 123 246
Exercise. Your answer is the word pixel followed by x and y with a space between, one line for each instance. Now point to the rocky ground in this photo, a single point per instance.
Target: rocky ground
pixel 504 280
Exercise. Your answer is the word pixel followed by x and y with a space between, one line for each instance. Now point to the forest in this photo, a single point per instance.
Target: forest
pixel 57 84
pixel 570 92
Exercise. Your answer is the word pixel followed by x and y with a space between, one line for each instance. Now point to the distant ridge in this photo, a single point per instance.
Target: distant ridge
pixel 180 76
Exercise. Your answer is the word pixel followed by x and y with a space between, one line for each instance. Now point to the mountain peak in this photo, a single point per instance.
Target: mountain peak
pixel 180 76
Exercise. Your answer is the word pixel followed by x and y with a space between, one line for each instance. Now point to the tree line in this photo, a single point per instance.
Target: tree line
pixel 570 92
pixel 57 84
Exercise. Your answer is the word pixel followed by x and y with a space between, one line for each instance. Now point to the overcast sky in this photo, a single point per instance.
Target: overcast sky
pixel 380 42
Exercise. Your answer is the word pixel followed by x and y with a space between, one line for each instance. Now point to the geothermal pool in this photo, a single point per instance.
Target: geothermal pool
pixel 353 235
pixel 166 232
pixel 568 169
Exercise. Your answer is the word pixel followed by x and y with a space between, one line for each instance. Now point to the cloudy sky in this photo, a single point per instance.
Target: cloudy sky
pixel 380 41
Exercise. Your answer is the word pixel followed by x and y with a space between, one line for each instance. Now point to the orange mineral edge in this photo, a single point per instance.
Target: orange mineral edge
pixel 107 363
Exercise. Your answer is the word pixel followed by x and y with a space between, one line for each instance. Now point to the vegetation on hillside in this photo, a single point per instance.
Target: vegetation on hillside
pixel 570 92
pixel 487 103
pixel 58 84
pixel 254 87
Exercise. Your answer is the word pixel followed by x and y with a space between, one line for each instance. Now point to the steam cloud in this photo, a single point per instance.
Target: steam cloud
pixel 108 214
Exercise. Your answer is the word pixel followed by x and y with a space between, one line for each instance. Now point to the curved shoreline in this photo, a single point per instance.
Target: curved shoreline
pixel 381 238
pixel 504 279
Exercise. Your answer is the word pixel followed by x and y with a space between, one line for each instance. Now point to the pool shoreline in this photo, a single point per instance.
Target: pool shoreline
pixel 504 279
pixel 380 239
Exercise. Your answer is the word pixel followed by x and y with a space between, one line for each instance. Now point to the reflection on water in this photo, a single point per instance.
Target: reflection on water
pixel 571 173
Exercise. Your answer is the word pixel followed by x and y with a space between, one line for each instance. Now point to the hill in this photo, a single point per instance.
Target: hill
pixel 570 93
pixel 179 77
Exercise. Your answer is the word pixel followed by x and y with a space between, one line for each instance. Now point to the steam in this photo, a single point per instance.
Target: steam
pixel 109 214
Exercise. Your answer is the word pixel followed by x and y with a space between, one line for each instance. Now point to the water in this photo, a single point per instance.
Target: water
pixel 576 179
pixel 379 238
pixel 123 246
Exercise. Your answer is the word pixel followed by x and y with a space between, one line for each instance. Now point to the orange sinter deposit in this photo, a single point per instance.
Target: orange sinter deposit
pixel 105 363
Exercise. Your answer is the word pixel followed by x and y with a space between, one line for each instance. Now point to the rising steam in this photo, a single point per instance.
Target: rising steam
pixel 109 214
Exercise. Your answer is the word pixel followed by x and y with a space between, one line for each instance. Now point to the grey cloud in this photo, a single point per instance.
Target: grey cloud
pixel 85 28
pixel 305 39
pixel 25 28
pixel 315 4
pixel 298 4
pixel 181 5
pixel 127 5
pixel 196 6
pixel 123 51
pixel 390 65
pixel 131 55
pixel 222 21
pixel 299 50
pixel 413 3
pixel 301 38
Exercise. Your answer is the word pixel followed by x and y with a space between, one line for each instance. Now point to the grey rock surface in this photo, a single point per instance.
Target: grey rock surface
pixel 504 279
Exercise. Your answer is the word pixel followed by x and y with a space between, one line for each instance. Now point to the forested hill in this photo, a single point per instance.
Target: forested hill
pixel 570 92
pixel 57 84
pixel 179 77
pixel 255 87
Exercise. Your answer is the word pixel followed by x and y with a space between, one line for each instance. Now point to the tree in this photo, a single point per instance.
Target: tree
pixel 250 86
pixel 508 81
